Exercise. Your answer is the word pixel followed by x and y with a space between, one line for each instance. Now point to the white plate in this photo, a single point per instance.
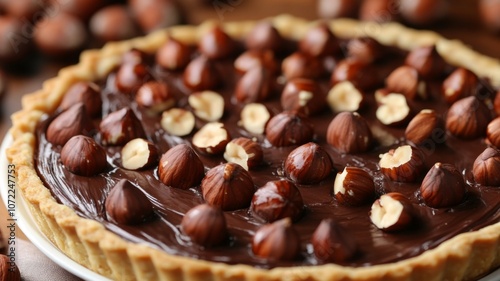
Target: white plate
pixel 30 229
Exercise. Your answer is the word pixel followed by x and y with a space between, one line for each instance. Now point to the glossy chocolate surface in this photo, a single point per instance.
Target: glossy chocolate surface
pixel 87 194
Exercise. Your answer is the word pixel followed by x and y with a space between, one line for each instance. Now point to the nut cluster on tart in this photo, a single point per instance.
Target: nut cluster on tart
pixel 270 151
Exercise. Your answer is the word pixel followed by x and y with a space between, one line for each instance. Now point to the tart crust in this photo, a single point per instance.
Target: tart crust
pixel 464 257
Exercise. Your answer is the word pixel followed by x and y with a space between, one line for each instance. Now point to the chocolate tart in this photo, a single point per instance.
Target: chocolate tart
pixel 445 243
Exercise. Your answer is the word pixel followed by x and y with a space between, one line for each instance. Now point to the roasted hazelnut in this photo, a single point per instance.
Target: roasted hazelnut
pixel 173 55
pixel 302 95
pixel 245 152
pixel 353 187
pixel 468 118
pixel 212 138
pixel 88 93
pixel 365 49
pixel 406 80
pixel 205 225
pixel 60 35
pixel 426 125
pixel 319 41
pixel 344 96
pixel 200 74
pixel 180 167
pixel 254 86
pixel 276 200
pixel 127 204
pixel 153 15
pixel 216 44
pixel 489 14
pixel 71 122
pixel 301 65
pixel 486 168
pixel 403 164
pixel 443 186
pixel 264 36
pixel 359 73
pixel 14 48
pixel 254 117
pixel 134 56
pixel 207 105
pixel 277 241
pixel 256 58
pixel 82 9
pixel 427 61
pixel 155 96
pixel 139 154
pixel 379 10
pixel 337 9
pixel 8 269
pixel 493 132
pixel 178 121
pixel 113 23
pixel 288 128
pixel 349 132
pixel 81 155
pixel 393 109
pixel 392 212
pixel 28 10
pixel 423 12
pixel 459 84
pixel 496 102
pixel 308 164
pixel 121 126
pixel 332 243
pixel 228 186
pixel 131 76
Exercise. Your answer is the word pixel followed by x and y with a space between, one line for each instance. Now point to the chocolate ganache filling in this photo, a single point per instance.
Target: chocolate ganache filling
pixel 431 226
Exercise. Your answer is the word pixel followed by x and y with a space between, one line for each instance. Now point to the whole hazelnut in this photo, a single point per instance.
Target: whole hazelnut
pixel 256 58
pixel 265 36
pixel 180 167
pixel 308 163
pixel 486 168
pixel 71 122
pixel 459 84
pixel 155 96
pixel 365 49
pixel 88 93
pixel 153 15
pixel 113 23
pixel 405 80
pixel 493 132
pixel 337 9
pixel 468 118
pixel 288 128
pixel 173 55
pixel 126 204
pixel 303 95
pixel 423 12
pixel 301 65
pixel 332 243
pixel 358 72
pixel 425 125
pixel 256 85
pixel 131 76
pixel 82 156
pixel 379 10
pixel 319 41
pixel 349 132
pixel 200 74
pixel 443 186
pixel 277 241
pixel 205 225
pixel 276 200
pixel 216 44
pixel 82 9
pixel 121 126
pixel 14 47
pixel 427 61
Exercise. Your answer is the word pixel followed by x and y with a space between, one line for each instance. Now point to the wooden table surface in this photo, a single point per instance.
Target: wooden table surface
pixel 463 23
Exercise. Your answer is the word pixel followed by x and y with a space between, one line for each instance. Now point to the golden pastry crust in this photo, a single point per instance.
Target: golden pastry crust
pixel 461 258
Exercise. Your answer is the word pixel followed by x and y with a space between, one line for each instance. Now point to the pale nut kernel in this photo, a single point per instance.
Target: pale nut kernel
pixel 468 118
pixel 486 168
pixel 443 186
pixel 332 243
pixel 344 96
pixel 254 117
pixel 308 164
pixel 245 152
pixel 139 154
pixel 393 109
pixel 349 132
pixel 180 167
pixel 493 132
pixel 353 187
pixel 392 212
pixel 212 138
pixel 425 125
pixel 403 164
pixel 178 121
pixel 207 105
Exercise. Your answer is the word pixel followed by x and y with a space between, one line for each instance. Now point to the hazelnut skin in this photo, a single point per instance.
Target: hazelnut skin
pixel 468 118
pixel 288 128
pixel 443 186
pixel 331 243
pixel 308 163
pixel 349 132
pixel 180 167
pixel 126 204
pixel 87 92
pixel 486 167
pixel 205 225
pixel 71 122
pixel 277 241
pixel 82 156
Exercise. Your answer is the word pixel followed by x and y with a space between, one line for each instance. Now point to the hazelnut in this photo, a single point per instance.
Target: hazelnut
pixel 131 76
pixel 365 49
pixel 173 55
pixel 10 53
pixel 319 41
pixel 302 95
pixel 277 241
pixel 288 128
pixel 113 23
pixel 255 58
pixel 459 84
pixel 245 152
pixel 276 200
pixel 180 167
pixel 23 9
pixel 425 125
pixel 423 12
pixel 301 65
pixel 82 156
pixel 392 212
pixel 332 243
pixel 71 122
pixel 493 132
pixel 359 73
pixel 468 118
pixel 443 186
pixel 200 74
pixel 406 80
pixel 427 61
pixel 349 132
pixel 344 96
pixel 254 117
pixel 403 164
pixel 308 164
pixel 82 9
pixel 139 154
pixel 486 168
pixel 211 138
pixel 155 97
pixel 127 204
pixel 134 56
pixel 264 36
pixel 178 122
pixel 8 269
pixel 379 10
pixel 353 187
pixel 207 105
pixel 121 126
pixel 152 15
pixel 216 44
pixel 496 102
pixel 337 9
pixel 488 10
pixel 205 225
pixel 88 93
pixel 393 109
pixel 254 86
pixel 228 186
